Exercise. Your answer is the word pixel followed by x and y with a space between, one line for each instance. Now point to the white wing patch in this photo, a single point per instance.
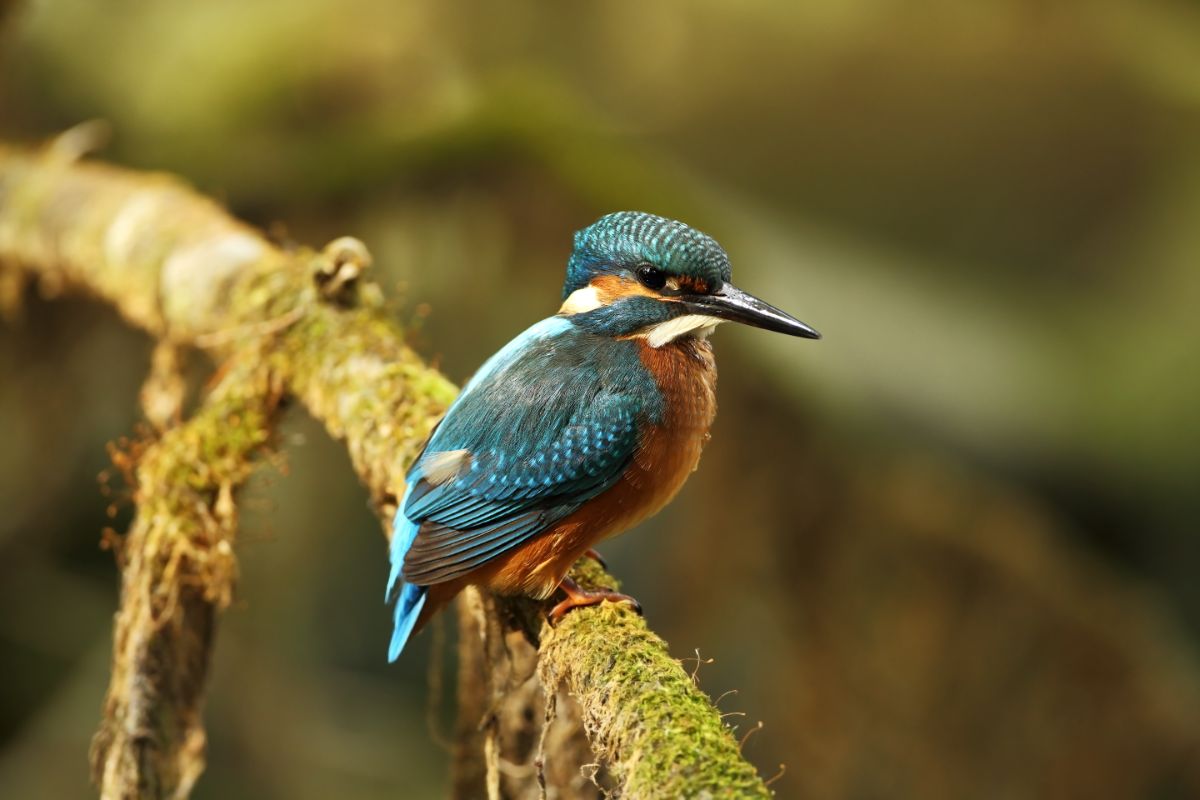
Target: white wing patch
pixel 441 467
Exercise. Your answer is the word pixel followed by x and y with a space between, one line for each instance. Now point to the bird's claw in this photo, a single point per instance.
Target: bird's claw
pixel 578 597
pixel 592 554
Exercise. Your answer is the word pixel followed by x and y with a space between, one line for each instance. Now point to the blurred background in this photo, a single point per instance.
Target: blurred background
pixel 949 551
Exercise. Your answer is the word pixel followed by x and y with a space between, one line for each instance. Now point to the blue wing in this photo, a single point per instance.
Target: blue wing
pixel 505 494
pixel 547 424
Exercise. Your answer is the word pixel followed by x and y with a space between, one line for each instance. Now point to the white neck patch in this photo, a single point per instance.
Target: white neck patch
pixel 697 325
pixel 581 301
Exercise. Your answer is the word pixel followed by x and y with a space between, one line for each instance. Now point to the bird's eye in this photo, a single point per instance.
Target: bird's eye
pixel 651 277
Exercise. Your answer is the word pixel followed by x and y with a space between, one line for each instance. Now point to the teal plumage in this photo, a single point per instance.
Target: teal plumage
pixel 549 424
pixel 553 421
pixel 615 241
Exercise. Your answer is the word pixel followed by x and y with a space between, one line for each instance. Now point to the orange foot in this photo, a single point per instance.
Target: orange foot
pixel 592 554
pixel 578 597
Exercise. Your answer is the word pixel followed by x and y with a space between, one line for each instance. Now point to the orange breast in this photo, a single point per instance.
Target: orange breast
pixel 669 452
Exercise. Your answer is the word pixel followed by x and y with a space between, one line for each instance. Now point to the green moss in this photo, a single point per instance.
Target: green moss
pixel 645 718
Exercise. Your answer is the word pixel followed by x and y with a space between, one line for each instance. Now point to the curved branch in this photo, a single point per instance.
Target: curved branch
pixel 300 323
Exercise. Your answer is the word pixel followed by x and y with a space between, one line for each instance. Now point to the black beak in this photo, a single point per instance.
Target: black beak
pixel 731 303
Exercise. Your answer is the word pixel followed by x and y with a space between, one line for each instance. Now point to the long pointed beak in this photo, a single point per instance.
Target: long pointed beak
pixel 731 303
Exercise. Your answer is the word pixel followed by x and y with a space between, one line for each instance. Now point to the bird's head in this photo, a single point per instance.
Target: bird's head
pixel 637 274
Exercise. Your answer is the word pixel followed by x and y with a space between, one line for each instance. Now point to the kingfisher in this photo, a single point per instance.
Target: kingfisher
pixel 578 429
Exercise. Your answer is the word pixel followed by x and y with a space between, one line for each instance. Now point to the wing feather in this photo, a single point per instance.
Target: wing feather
pixel 502 502
pixel 546 430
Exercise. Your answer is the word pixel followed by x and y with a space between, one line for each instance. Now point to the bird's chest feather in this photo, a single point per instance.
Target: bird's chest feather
pixel 670 450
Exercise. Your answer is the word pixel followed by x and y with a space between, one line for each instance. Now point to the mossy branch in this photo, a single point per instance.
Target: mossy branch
pixel 308 325
pixel 178 570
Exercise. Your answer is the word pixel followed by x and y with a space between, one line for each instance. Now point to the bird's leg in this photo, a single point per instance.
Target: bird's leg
pixel 577 597
pixel 592 554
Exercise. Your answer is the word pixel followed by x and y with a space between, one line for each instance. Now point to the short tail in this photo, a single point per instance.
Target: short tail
pixel 408 610
pixel 412 597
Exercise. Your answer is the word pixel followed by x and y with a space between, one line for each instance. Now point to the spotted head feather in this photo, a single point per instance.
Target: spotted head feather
pixel 624 239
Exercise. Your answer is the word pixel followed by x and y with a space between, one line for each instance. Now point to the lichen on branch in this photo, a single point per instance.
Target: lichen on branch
pixel 178 571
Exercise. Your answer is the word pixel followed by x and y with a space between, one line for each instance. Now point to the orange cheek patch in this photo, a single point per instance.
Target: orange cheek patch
pixel 692 285
pixel 614 287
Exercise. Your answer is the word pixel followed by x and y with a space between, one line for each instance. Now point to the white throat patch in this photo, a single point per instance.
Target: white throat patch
pixel 697 325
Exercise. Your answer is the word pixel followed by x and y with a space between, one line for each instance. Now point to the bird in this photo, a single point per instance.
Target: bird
pixel 581 427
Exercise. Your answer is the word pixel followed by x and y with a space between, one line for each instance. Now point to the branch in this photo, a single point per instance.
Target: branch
pixel 645 718
pixel 304 324
pixel 178 570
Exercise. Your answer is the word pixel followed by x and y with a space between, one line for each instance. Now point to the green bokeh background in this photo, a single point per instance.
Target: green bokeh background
pixel 948 551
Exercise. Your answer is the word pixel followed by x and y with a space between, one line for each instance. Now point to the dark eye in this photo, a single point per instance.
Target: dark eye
pixel 651 277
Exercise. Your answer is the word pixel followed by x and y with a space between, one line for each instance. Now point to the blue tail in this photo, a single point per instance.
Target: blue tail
pixel 412 597
pixel 408 608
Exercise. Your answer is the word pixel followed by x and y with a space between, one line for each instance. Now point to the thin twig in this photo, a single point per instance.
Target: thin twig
pixel 748 734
